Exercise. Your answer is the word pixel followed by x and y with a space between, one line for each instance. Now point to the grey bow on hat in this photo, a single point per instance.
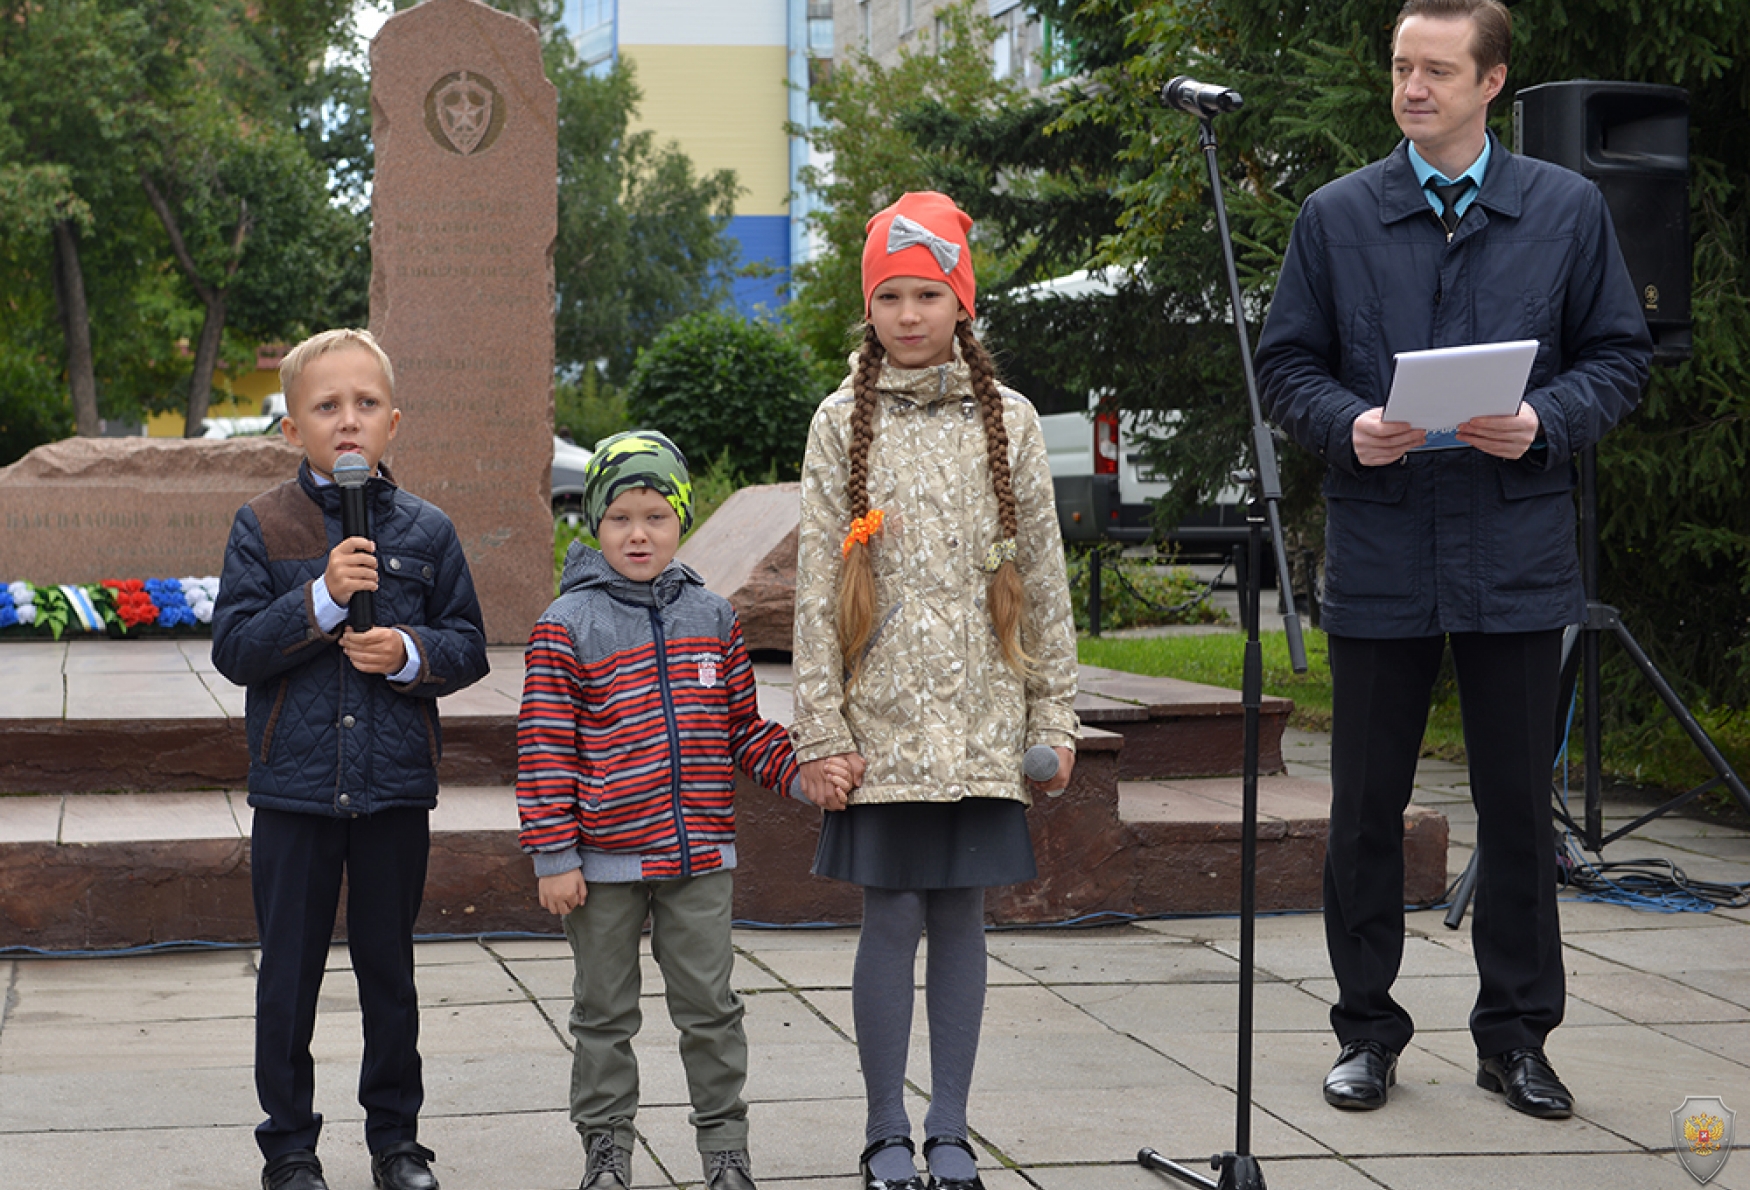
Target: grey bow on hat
pixel 905 233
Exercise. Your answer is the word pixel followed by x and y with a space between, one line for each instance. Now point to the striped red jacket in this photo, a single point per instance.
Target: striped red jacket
pixel 638 705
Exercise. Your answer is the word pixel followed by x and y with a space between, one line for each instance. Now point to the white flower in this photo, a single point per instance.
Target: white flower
pixel 27 613
pixel 21 593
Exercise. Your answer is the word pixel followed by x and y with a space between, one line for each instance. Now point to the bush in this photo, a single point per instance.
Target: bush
pixel 737 392
pixel 1135 592
pixel 590 409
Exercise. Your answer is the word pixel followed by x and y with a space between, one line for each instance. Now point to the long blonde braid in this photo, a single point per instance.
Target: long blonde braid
pixel 1008 597
pixel 856 604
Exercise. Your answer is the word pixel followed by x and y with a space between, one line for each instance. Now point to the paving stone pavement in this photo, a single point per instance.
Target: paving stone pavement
pixel 1097 1042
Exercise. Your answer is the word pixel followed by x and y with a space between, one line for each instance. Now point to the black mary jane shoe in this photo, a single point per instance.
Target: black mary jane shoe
pixel 971 1183
pixel 871 1182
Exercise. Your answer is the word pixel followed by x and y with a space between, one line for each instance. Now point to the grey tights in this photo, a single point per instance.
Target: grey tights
pixel 881 1005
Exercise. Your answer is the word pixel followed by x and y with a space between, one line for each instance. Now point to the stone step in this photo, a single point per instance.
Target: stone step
pixel 93 871
pixel 126 824
pixel 138 716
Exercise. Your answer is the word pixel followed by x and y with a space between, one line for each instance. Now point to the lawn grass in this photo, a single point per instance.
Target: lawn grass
pixel 1655 755
pixel 1218 660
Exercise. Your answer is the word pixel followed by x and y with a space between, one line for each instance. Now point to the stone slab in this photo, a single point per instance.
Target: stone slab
pixel 88 509
pixel 746 553
pixel 464 208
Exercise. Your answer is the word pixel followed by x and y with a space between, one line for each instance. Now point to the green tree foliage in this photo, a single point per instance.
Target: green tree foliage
pixel 875 159
pixel 136 137
pixel 1114 179
pixel 641 233
pixel 736 392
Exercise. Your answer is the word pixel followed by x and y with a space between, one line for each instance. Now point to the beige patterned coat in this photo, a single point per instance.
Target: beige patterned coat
pixel 936 713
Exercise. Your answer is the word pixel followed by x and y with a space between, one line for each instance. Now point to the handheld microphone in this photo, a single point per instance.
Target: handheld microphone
pixel 1202 100
pixel 351 472
pixel 1040 764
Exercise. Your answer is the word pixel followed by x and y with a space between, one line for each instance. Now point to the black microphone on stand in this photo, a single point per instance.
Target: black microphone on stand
pixel 351 473
pixel 1202 100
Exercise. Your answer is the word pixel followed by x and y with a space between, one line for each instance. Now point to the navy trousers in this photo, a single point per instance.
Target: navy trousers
pixel 297 861
pixel 1507 685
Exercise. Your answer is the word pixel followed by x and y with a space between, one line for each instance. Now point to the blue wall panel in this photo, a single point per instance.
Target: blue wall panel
pixel 765 239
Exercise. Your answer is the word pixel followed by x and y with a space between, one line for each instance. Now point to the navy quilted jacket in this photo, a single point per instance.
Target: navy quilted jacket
pixel 323 737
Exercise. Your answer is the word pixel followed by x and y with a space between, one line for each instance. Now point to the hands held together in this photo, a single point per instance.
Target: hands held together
pixel 828 782
pixel 1379 442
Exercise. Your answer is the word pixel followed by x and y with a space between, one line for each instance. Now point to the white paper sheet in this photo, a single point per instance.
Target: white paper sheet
pixel 1438 389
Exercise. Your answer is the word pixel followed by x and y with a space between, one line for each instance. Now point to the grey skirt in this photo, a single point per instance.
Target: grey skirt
pixel 976 842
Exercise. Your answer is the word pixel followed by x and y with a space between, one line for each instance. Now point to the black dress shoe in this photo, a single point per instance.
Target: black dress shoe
pixel 1529 1082
pixel 403 1166
pixel 971 1183
pixel 297 1170
pixel 871 1182
pixel 1359 1080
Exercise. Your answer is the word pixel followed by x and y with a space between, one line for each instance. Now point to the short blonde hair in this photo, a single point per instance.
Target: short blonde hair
pixel 299 357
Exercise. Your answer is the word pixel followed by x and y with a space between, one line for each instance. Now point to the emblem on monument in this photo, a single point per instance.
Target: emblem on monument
pixel 464 112
pixel 1701 1133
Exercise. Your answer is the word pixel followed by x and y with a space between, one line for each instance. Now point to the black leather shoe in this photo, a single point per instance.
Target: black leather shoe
pixel 403 1166
pixel 937 1183
pixel 871 1182
pixel 1358 1082
pixel 293 1171
pixel 1529 1082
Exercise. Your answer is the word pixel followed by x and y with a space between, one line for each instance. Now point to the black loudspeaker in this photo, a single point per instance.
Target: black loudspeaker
pixel 1632 139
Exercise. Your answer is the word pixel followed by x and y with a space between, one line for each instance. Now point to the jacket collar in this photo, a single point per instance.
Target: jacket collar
pixel 1401 197
pixel 381 487
pixel 586 568
pixel 920 386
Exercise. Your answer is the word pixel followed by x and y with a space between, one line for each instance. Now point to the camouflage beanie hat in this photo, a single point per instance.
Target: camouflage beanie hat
pixel 636 459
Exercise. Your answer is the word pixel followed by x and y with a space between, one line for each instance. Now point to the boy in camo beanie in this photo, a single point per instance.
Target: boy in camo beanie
pixel 636 459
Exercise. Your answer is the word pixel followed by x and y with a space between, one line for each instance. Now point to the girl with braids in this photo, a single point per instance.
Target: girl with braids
pixel 934 646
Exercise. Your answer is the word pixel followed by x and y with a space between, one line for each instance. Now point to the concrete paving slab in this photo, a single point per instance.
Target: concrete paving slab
pixel 93 1047
pixel 1125 958
pixel 168 1096
pixel 132 695
pixel 1673 951
pixel 1035 1130
pixel 1620 1172
pixel 1163 1014
pixel 1650 999
pixel 141 817
pixel 194 1158
pixel 34 818
pixel 33 693
pixel 1301 1173
pixel 522 1084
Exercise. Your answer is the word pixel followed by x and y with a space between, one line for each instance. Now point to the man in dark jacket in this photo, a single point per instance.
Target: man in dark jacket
pixel 343 749
pixel 1471 546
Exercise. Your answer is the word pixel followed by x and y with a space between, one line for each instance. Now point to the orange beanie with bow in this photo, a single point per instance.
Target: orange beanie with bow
pixel 921 235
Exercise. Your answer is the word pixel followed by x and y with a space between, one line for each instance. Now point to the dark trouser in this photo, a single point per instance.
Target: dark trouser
pixel 296 864
pixel 1507 685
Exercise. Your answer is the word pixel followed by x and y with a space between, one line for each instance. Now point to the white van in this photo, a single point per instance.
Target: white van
pixel 1105 490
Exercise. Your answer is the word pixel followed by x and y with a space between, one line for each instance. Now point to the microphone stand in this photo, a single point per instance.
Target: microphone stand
pixel 1239 1169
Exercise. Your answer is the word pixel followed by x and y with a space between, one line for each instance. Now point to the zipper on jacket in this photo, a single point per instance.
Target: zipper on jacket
pixel 674 738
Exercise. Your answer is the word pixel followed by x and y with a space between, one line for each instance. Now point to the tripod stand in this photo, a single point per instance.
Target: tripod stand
pixel 1239 1169
pixel 1580 653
